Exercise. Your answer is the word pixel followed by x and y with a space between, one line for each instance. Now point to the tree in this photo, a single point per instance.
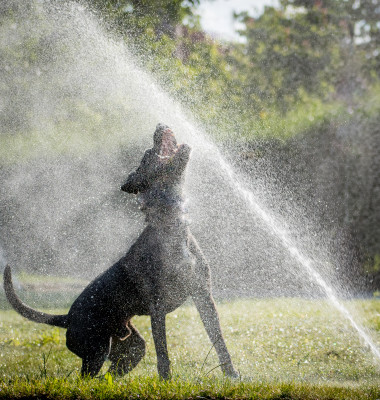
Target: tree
pixel 136 16
pixel 360 18
pixel 292 51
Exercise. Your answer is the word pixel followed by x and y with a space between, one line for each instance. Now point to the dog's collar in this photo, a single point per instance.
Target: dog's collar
pixel 160 197
pixel 166 223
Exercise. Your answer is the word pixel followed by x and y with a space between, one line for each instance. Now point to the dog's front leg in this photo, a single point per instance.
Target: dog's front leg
pixel 159 336
pixel 201 293
pixel 207 310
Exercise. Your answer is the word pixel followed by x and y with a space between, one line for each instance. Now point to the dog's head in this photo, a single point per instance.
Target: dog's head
pixel 162 165
pixel 164 143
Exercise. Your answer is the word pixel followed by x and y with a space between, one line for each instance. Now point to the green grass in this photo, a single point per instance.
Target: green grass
pixel 283 348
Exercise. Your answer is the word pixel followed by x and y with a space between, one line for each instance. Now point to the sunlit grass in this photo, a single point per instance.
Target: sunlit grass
pixel 277 345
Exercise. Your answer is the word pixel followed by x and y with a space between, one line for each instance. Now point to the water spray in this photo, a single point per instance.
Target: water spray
pixel 147 104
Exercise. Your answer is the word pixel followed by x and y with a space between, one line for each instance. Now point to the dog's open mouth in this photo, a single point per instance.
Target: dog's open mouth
pixel 168 145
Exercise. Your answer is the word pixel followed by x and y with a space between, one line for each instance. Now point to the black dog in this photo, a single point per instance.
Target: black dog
pixel 160 271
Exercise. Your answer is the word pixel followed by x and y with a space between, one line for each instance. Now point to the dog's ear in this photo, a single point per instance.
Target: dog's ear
pixel 184 150
pixel 182 156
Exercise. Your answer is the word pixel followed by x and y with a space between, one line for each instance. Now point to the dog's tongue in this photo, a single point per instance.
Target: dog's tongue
pixel 168 146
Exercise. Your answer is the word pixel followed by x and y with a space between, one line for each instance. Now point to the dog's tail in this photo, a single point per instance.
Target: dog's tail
pixel 26 311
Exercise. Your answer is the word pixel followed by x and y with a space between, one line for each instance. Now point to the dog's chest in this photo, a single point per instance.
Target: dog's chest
pixel 173 244
pixel 175 254
pixel 177 266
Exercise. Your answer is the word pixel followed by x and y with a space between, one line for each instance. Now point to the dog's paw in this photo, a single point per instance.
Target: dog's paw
pixel 232 373
pixel 164 370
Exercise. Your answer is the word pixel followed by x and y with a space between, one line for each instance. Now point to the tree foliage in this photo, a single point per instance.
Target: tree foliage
pixel 313 47
pixel 136 16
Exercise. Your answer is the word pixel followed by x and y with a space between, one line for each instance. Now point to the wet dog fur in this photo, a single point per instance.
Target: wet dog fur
pixel 158 273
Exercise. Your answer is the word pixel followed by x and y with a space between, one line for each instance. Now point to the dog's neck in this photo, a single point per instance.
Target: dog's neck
pixel 164 206
pixel 162 198
pixel 167 220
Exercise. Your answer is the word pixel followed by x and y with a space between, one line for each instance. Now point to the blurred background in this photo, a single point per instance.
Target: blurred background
pixel 289 91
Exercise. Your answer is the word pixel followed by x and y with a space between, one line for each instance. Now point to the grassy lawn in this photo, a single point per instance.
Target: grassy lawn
pixel 283 348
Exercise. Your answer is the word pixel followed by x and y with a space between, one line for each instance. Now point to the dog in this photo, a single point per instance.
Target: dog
pixel 159 272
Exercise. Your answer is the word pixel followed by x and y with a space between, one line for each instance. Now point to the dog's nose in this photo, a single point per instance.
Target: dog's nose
pixel 161 127
pixel 130 185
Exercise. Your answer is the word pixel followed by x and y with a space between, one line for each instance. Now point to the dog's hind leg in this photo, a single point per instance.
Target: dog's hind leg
pixel 92 348
pixel 95 355
pixel 91 364
pixel 126 353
